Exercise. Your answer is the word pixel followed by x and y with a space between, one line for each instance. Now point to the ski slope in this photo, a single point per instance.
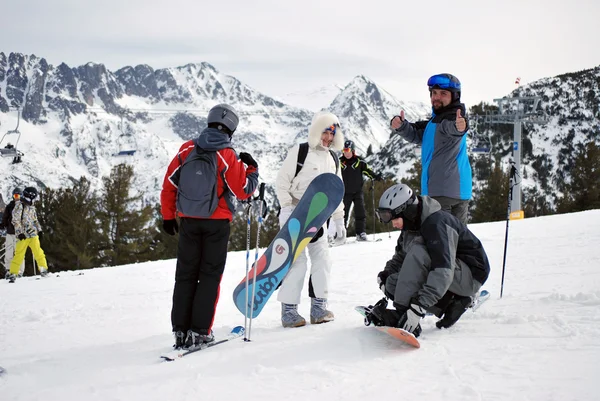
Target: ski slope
pixel 98 336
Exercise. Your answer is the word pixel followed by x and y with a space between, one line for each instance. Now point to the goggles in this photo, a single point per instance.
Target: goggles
pixel 384 215
pixel 332 128
pixel 443 81
pixel 16 196
pixel 347 150
pixel 387 215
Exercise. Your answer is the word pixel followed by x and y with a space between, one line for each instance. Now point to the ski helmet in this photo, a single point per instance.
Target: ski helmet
pixel 349 146
pixel 29 194
pixel 224 114
pixel 446 82
pixel 397 201
pixel 17 191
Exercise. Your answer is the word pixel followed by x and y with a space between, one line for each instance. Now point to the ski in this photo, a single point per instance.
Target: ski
pixel 237 332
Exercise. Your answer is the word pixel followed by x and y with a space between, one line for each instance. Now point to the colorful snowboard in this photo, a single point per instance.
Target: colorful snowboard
pixel 395 332
pixel 322 197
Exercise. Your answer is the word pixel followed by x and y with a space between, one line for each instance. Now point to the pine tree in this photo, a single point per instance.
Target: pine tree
pixel 414 179
pixel 125 221
pixel 163 245
pixel 69 219
pixel 582 191
pixel 491 203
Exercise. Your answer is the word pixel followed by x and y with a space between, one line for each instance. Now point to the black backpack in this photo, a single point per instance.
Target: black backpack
pixel 7 218
pixel 303 151
pixel 196 182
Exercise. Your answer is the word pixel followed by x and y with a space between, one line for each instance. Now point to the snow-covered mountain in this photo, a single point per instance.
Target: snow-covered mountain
pixel 76 121
pixel 313 99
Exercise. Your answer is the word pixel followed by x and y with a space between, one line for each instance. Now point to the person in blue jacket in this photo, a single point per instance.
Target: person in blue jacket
pixel 446 175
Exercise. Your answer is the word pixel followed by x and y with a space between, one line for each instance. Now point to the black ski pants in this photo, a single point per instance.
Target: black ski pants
pixel 201 257
pixel 360 215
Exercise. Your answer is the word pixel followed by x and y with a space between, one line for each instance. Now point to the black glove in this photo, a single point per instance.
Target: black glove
pixel 381 278
pixel 40 234
pixel 170 226
pixel 379 177
pixel 249 160
pixel 21 237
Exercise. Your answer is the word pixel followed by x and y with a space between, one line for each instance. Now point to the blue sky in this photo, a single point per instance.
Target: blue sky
pixel 279 47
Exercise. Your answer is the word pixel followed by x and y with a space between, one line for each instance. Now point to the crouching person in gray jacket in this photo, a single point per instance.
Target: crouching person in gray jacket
pixel 438 266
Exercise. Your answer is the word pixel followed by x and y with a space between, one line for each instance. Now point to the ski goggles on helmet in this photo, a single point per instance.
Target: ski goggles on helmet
pixel 331 129
pixel 444 81
pixel 387 215
pixel 16 196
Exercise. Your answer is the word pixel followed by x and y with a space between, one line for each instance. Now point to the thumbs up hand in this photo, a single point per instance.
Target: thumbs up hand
pixel 397 120
pixel 461 123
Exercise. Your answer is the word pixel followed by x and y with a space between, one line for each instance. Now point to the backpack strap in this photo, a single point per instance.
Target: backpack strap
pixel 335 160
pixel 303 151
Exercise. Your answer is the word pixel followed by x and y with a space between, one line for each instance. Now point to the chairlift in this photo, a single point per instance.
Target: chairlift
pixel 128 152
pixel 482 145
pixel 10 150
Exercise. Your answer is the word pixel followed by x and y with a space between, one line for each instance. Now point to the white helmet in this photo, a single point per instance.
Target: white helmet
pixel 394 201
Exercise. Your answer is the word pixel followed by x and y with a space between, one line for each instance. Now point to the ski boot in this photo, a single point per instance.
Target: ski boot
pixel 318 311
pixel 362 237
pixel 290 316
pixel 179 339
pixel 194 339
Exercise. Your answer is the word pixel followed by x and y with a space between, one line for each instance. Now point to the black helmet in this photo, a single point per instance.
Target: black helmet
pixel 225 115
pixel 349 145
pixel 397 201
pixel 17 191
pixel 446 82
pixel 29 194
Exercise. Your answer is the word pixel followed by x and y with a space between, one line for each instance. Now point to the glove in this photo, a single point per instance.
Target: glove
pixel 249 160
pixel 170 226
pixel 411 319
pixel 331 230
pixel 379 177
pixel 340 231
pixel 284 214
pixel 40 234
pixel 21 237
pixel 381 279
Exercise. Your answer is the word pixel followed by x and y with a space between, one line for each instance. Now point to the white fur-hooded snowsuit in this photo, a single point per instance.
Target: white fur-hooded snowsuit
pixel 290 189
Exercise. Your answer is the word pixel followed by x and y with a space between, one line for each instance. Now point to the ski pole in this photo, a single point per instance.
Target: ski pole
pixel 511 180
pixel 373 197
pixel 248 224
pixel 261 198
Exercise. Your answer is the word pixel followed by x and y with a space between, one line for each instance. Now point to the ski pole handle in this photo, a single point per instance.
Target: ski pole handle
pixel 261 191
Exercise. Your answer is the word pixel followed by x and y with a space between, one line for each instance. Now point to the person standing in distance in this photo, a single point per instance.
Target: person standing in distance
pixel 446 171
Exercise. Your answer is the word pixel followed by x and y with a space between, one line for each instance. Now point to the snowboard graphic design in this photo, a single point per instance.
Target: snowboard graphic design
pixel 395 332
pixel 322 197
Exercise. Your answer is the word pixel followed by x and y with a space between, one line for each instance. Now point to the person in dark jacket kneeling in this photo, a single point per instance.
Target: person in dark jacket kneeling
pixel 439 265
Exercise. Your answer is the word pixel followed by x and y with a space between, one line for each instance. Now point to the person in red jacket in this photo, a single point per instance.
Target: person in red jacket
pixel 199 187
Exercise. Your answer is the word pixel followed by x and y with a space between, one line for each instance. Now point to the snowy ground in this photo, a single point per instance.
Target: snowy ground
pixel 98 336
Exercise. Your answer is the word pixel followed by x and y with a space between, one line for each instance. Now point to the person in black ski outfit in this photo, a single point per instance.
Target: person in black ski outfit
pixel 203 165
pixel 437 267
pixel 353 169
